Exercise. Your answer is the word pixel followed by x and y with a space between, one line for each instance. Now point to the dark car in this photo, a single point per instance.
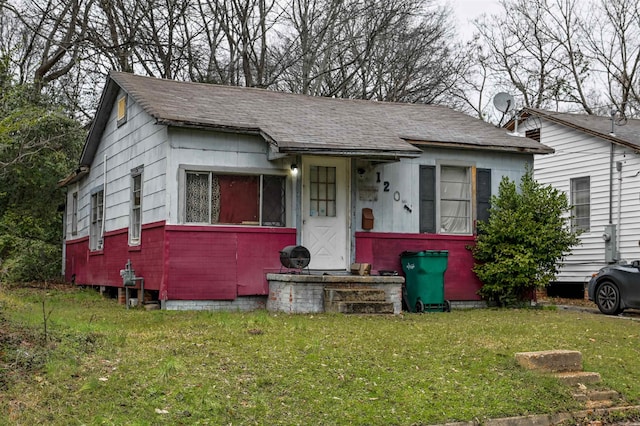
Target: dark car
pixel 616 288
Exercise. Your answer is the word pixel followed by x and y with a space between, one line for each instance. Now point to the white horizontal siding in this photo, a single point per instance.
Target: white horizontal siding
pixel 579 155
pixel 199 149
pixel 404 179
pixel 138 142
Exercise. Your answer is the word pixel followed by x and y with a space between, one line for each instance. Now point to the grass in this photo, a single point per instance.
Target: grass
pixel 103 364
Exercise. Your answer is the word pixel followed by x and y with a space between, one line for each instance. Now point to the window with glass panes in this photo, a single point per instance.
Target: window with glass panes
pixel 135 226
pixel 322 187
pixel 97 216
pixel 235 199
pixel 581 202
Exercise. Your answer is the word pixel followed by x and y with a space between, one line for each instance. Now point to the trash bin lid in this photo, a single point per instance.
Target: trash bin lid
pixel 423 253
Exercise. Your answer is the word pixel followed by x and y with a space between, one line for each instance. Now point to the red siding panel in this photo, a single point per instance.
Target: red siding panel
pixel 201 265
pixel 222 262
pixel 259 254
pixel 382 251
pixel 103 267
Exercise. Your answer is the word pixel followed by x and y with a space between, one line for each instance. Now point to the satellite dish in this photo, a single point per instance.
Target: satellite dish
pixel 503 102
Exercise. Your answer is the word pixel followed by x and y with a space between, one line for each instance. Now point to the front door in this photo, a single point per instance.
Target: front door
pixel 325 212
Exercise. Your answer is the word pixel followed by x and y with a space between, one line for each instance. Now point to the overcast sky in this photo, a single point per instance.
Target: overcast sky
pixel 467 10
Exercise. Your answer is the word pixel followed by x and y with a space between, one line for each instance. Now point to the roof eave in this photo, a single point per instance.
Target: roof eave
pixel 74 177
pixel 606 136
pixel 355 153
pixel 210 126
pixel 461 145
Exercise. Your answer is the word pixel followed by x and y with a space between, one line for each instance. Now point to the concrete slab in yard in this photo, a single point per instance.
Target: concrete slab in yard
pixel 550 361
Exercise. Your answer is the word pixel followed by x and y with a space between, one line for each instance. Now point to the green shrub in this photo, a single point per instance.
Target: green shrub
pixel 521 246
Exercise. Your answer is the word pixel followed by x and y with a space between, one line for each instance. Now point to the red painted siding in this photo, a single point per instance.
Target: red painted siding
pixel 221 263
pixel 185 262
pixel 103 267
pixel 382 251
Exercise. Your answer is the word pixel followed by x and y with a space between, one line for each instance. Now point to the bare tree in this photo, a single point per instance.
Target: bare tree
pixel 52 34
pixel 613 38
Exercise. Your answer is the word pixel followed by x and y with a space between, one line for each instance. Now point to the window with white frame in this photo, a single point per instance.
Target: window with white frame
pixel 455 200
pixel 97 216
pixel 74 213
pixel 234 199
pixel 135 222
pixel 581 202
pixel 447 198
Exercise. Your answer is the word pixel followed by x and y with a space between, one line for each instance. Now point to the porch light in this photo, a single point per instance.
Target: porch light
pixel 294 169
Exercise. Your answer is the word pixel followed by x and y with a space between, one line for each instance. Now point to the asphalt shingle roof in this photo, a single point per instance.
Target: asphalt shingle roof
pixel 299 123
pixel 626 132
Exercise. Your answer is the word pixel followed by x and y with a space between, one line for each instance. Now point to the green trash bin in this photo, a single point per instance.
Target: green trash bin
pixel 424 280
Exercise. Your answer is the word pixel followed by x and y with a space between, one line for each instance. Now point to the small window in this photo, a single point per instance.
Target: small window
pixel 234 199
pixel 122 111
pixel 322 184
pixel 74 213
pixel 135 223
pixel 581 203
pixel 97 217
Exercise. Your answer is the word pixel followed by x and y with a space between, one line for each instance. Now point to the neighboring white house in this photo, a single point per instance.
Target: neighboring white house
pixel 597 164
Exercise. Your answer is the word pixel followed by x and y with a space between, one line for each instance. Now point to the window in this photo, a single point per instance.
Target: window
pixel 581 202
pixel 97 216
pixel 447 199
pixel 135 223
pixel 121 117
pixel 455 200
pixel 74 213
pixel 322 182
pixel 234 199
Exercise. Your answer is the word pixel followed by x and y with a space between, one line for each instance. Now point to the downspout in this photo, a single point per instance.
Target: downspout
pixel 104 199
pixel 611 184
pixel 619 225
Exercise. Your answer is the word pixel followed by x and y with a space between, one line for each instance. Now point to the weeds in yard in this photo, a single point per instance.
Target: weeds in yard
pixel 106 364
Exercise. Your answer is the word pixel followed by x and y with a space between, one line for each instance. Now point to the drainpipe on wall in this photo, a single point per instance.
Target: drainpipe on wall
pixel 611 184
pixel 104 199
pixel 619 225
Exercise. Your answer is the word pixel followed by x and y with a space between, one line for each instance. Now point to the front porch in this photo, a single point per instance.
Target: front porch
pixel 316 293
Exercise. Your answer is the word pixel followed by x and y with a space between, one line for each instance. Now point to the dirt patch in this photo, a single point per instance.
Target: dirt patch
pixel 566 301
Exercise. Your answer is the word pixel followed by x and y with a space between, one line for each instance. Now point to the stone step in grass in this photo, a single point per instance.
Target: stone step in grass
pixel 550 361
pixel 573 378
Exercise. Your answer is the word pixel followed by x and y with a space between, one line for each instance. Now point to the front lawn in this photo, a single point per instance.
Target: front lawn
pixel 103 364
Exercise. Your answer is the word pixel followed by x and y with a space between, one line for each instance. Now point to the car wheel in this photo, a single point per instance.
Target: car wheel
pixel 608 298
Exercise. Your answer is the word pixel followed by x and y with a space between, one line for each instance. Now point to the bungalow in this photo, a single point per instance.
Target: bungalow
pixel 597 164
pixel 199 187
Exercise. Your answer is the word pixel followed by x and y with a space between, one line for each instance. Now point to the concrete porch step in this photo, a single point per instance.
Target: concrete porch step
pixel 364 307
pixel 353 294
pixel 550 361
